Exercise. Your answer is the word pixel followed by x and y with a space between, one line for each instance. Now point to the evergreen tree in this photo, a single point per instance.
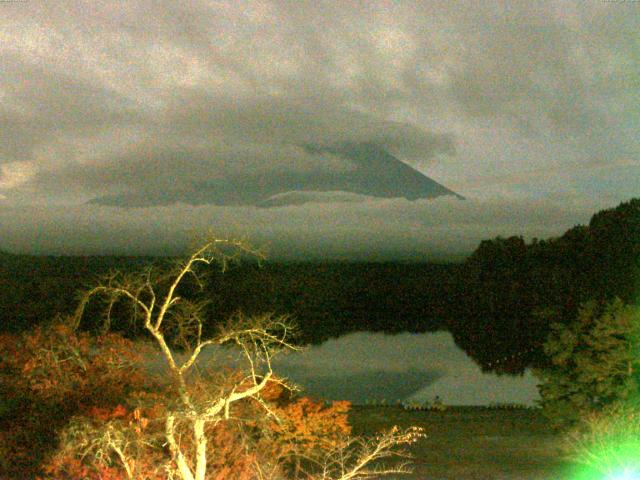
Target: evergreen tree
pixel 593 362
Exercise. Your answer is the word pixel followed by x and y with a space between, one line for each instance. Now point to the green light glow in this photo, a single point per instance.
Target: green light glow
pixel 626 474
pixel 616 460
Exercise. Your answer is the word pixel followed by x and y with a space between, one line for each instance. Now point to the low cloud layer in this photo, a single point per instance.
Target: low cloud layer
pixel 329 227
pixel 527 109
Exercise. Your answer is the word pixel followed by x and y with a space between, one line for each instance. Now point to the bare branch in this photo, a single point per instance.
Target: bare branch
pixel 176 452
pixel 194 355
pixel 357 457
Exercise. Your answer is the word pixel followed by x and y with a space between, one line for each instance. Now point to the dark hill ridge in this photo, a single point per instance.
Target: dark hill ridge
pixel 377 173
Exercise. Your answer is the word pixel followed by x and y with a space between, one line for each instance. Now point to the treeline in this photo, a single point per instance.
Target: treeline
pixel 509 292
pixel 34 289
pixel 325 299
pixel 331 299
pixel 498 304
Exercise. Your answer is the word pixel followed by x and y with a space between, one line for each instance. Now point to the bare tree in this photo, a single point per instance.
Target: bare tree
pixel 172 320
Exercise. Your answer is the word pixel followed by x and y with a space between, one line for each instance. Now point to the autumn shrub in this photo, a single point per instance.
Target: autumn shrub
pixel 94 444
pixel 298 431
pixel 71 399
pixel 114 443
pixel 50 374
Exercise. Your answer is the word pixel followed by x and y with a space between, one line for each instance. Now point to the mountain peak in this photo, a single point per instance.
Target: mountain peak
pixel 376 173
pixel 383 175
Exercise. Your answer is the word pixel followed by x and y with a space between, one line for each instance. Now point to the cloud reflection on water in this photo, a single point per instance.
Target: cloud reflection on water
pixel 365 366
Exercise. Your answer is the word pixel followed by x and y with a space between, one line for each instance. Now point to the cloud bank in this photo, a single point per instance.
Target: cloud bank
pixel 362 227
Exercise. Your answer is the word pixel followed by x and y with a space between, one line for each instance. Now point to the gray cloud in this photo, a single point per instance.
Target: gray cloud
pixel 368 228
pixel 509 100
pixel 39 104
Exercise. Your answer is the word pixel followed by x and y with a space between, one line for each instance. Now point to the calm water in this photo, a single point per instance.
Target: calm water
pixel 365 367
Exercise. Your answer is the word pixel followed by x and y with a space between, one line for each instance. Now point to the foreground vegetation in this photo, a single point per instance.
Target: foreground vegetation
pixel 79 404
pixel 74 404
pixel 478 443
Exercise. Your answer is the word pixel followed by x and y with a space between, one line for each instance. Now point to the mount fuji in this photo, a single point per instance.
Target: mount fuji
pixel 374 173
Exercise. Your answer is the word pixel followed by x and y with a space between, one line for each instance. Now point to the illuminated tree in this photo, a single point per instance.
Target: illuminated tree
pixel 189 422
pixel 594 362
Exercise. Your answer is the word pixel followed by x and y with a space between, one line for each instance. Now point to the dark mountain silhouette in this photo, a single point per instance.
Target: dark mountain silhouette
pixel 376 173
pixel 380 174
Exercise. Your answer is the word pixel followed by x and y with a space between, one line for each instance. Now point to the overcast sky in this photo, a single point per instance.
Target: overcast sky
pixel 527 109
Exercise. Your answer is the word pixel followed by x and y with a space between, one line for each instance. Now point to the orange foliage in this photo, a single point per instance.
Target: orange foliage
pixel 313 425
pixel 54 374
pixel 67 464
pixel 301 426
pixel 49 375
